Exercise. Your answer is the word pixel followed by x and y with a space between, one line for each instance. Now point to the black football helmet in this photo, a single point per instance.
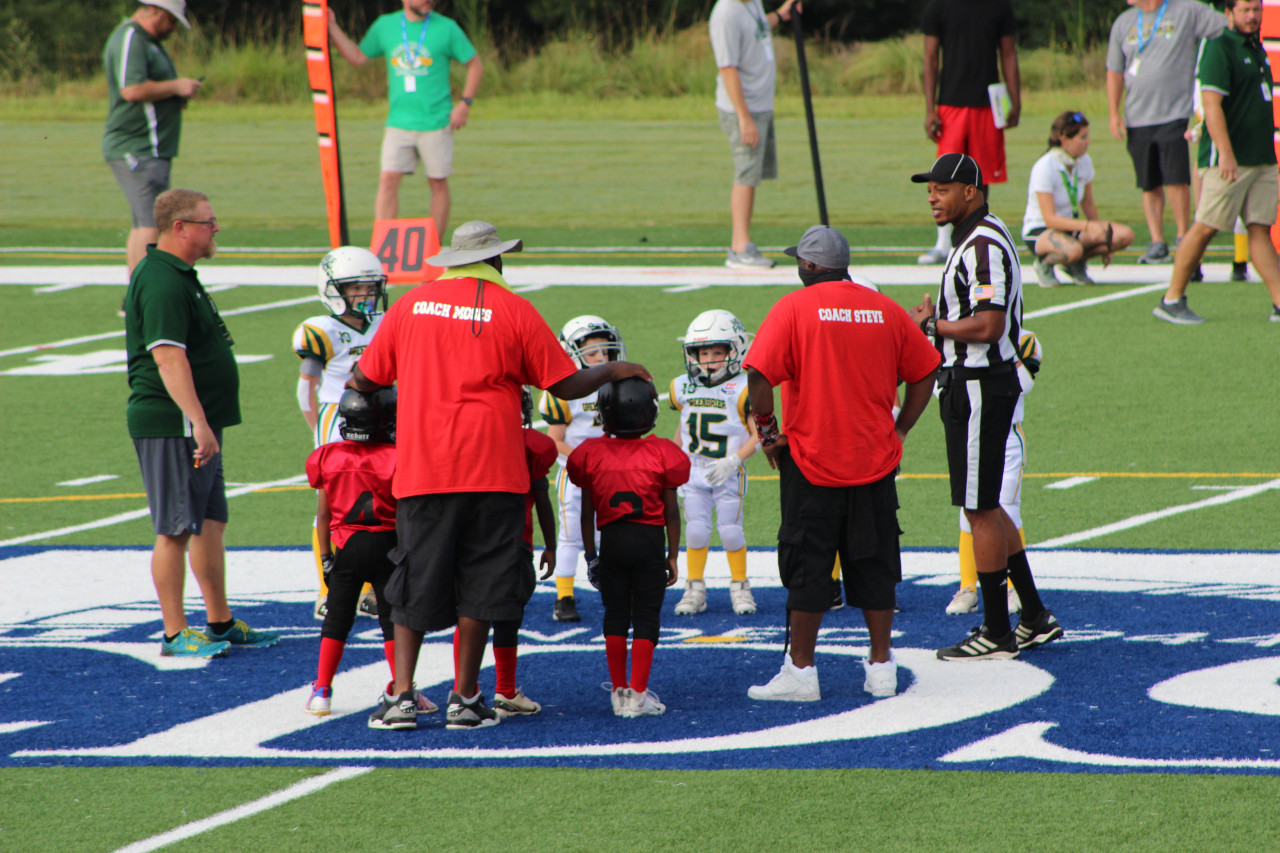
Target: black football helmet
pixel 628 407
pixel 368 417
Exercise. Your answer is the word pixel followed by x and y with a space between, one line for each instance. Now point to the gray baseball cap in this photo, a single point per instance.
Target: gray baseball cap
pixel 474 241
pixel 177 8
pixel 824 246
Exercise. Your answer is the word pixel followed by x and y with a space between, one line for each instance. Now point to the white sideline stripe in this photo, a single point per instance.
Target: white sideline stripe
pixel 70 342
pixel 1148 517
pixel 142 513
pixel 1097 300
pixel 293 792
pixel 85 481
pixel 59 287
pixel 1072 482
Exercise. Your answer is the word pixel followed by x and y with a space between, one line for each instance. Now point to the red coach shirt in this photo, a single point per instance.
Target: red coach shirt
pixel 540 453
pixel 838 350
pixel 627 476
pixel 356 478
pixel 459 349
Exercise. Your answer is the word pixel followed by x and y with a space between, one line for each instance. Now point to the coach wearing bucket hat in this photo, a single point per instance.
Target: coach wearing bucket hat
pixel 145 98
pixel 838 349
pixel 460 349
pixel 976 327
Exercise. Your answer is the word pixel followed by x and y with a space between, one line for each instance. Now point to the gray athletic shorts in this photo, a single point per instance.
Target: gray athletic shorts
pixel 142 179
pixel 181 496
pixel 755 163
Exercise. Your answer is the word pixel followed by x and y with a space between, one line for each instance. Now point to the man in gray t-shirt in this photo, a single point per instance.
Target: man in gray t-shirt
pixel 1151 62
pixel 742 41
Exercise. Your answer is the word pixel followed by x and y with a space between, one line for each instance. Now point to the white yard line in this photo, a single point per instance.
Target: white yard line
pixel 1070 482
pixel 1097 300
pixel 293 792
pixel 1148 517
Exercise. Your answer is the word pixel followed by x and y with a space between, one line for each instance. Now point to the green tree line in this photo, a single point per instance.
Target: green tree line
pixel 36 38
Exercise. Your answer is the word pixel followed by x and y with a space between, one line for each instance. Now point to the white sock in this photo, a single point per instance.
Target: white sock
pixel 944 239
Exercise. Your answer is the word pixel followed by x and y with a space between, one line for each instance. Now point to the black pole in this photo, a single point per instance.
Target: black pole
pixel 798 29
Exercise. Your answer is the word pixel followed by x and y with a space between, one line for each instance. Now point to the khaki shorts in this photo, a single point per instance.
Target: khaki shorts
pixel 402 149
pixel 755 163
pixel 1251 196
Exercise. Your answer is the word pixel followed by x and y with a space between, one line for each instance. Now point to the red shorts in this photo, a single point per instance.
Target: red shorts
pixel 972 131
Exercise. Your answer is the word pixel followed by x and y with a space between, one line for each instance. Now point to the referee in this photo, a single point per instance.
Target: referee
pixel 976 326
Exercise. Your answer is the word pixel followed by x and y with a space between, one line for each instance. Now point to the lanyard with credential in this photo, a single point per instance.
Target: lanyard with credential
pixel 1072 183
pixel 411 54
pixel 1142 43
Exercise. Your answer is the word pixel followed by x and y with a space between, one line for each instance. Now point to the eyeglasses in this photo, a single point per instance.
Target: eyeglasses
pixel 212 221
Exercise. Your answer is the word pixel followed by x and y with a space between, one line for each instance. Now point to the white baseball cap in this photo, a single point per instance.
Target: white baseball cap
pixel 177 8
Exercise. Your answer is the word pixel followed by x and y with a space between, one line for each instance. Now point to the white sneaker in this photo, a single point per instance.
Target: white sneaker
pixel 933 257
pixel 694 599
pixel 422 703
pixel 749 258
pixel 620 697
pixel 882 678
pixel 1015 603
pixel 319 701
pixel 644 704
pixel 515 705
pixel 964 601
pixel 740 596
pixel 791 684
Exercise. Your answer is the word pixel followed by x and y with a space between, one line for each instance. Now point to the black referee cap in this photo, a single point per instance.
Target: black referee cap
pixel 952 168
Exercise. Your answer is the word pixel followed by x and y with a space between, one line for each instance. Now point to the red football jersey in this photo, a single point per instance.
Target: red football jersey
pixel 356 477
pixel 627 476
pixel 540 451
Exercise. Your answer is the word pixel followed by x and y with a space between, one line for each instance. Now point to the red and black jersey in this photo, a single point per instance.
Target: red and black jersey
pixel 627 476
pixel 356 478
pixel 540 452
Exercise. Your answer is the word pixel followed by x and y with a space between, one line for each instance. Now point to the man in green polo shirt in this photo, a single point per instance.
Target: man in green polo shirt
pixel 145 98
pixel 184 388
pixel 1237 158
pixel 418 45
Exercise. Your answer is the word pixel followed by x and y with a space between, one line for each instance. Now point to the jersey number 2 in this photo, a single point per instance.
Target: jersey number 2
pixel 632 500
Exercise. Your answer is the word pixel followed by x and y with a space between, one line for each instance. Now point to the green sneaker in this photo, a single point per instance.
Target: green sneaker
pixel 191 643
pixel 241 634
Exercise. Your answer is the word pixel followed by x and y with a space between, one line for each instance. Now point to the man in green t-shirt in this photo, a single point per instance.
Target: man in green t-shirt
pixel 418 45
pixel 145 98
pixel 1237 158
pixel 184 388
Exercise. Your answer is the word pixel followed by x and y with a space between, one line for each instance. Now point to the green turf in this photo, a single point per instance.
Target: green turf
pixel 86 810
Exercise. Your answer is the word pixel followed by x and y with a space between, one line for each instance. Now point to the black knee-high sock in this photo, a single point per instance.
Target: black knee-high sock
pixel 1025 586
pixel 995 604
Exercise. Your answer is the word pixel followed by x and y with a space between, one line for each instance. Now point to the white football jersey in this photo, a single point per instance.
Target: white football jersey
pixel 713 421
pixel 337 345
pixel 580 417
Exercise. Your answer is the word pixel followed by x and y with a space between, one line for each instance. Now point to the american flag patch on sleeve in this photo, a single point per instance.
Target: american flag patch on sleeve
pixel 984 291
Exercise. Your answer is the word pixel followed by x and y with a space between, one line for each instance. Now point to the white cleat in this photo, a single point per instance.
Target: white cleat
pixel 1015 603
pixel 964 601
pixel 621 699
pixel 694 599
pixel 791 684
pixel 881 678
pixel 741 598
pixel 644 704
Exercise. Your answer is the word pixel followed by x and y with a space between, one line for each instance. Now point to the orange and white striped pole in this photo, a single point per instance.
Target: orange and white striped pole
pixel 315 36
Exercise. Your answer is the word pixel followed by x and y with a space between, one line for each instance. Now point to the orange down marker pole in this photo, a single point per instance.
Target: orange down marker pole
pixel 315 35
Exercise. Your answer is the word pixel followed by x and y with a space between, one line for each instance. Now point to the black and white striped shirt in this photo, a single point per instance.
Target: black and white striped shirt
pixel 982 274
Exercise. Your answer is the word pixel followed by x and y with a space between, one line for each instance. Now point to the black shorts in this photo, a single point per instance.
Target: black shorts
pixel 1160 155
pixel 859 523
pixel 1032 236
pixel 459 554
pixel 977 414
pixel 633 578
pixel 365 558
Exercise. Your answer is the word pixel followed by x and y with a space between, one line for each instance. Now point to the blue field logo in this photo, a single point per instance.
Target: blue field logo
pixel 1157 671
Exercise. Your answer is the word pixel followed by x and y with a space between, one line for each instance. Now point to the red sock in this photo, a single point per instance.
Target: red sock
pixel 330 657
pixel 504 670
pixel 389 652
pixel 615 650
pixel 641 663
pixel 457 631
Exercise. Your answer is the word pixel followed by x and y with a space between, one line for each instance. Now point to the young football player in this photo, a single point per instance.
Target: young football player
pixel 718 434
pixel 629 487
pixel 356 512
pixel 353 288
pixel 540 452
pixel 589 340
pixel 966 598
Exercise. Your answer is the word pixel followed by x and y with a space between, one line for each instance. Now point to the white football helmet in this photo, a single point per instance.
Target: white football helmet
pixel 352 265
pixel 715 327
pixel 586 326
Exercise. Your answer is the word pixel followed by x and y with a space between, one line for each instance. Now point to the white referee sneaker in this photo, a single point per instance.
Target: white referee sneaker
pixel 976 326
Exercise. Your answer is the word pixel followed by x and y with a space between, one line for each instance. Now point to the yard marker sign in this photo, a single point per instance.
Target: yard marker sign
pixel 315 36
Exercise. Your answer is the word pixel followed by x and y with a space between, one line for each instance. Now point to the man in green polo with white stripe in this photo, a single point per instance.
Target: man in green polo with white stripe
pixel 144 112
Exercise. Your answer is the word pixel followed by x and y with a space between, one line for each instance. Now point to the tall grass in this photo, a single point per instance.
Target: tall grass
pixel 268 67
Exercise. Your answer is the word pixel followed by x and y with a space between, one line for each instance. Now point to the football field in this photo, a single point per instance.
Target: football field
pixel 1150 506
